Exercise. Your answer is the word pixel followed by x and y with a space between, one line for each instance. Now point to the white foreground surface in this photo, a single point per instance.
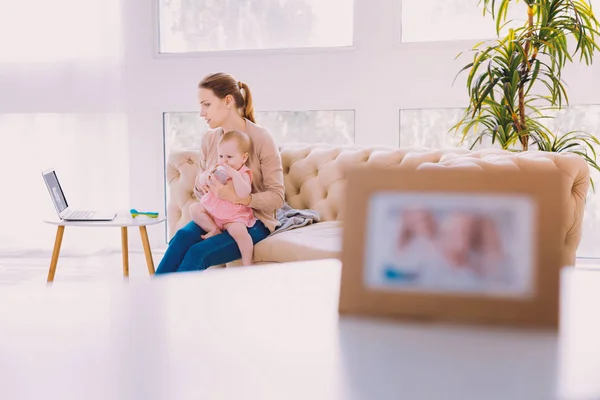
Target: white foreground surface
pixel 273 332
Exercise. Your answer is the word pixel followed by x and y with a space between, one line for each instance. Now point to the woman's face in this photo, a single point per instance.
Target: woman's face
pixel 213 109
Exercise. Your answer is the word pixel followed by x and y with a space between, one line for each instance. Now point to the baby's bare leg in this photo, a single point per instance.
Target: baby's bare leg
pixel 204 220
pixel 239 233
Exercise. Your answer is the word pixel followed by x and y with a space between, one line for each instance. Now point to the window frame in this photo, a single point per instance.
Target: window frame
pixel 246 52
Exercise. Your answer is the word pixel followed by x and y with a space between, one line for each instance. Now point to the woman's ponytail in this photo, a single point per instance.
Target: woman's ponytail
pixel 248 105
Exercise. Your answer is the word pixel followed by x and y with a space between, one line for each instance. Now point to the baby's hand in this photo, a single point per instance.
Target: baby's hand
pixel 229 169
pixel 201 184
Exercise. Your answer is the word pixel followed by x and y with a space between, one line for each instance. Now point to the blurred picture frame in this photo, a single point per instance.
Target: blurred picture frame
pixel 455 245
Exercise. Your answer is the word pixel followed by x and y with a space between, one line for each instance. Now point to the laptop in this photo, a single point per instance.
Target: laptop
pixel 65 212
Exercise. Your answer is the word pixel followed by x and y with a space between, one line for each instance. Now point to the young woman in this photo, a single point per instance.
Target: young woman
pixel 226 105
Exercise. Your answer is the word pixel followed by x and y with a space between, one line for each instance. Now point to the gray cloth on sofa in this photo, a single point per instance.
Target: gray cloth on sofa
pixel 290 218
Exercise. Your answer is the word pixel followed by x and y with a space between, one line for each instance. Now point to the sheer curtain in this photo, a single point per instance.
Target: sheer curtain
pixel 61 106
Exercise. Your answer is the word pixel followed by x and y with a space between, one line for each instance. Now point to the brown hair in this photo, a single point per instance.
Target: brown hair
pixel 223 84
pixel 243 141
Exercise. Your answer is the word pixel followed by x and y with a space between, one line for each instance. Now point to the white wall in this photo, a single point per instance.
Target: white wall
pixel 376 78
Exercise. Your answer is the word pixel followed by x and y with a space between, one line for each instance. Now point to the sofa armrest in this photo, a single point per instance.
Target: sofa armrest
pixel 576 172
pixel 182 169
pixel 576 183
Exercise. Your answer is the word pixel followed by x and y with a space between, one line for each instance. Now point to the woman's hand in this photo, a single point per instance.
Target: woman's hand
pixel 227 191
pixel 222 191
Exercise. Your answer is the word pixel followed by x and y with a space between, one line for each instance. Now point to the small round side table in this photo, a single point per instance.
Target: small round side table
pixel 123 221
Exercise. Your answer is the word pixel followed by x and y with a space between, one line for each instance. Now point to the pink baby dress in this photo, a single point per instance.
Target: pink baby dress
pixel 224 212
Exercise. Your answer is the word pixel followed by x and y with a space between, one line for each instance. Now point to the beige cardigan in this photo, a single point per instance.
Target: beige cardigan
pixel 265 163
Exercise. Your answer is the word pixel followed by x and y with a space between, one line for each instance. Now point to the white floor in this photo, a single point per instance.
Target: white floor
pixel 102 267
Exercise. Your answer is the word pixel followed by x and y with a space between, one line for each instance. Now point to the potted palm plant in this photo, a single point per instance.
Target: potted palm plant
pixel 515 82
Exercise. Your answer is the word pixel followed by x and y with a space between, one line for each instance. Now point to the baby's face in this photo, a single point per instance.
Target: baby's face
pixel 230 154
pixel 421 222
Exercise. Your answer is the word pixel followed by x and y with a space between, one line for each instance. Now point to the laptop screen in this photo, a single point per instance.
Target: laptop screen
pixel 58 197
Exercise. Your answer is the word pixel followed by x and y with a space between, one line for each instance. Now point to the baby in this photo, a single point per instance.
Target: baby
pixel 213 214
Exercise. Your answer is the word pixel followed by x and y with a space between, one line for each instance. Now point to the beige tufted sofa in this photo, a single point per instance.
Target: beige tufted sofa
pixel 314 179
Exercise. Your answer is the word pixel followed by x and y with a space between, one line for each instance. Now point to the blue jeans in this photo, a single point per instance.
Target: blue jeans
pixel 187 251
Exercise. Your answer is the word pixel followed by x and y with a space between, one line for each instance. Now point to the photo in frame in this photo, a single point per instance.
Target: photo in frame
pixel 451 244
pixel 447 242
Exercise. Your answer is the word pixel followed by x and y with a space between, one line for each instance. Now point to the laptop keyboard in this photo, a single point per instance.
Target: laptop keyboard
pixel 81 214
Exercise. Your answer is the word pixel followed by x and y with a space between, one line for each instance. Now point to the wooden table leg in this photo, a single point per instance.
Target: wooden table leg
pixel 57 242
pixel 125 250
pixel 147 251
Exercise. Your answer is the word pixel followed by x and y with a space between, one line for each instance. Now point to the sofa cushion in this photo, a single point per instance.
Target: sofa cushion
pixel 312 242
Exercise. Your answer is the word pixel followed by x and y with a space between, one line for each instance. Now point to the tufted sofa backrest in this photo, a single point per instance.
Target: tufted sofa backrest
pixel 314 176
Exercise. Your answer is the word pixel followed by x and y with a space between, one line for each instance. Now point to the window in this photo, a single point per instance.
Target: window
pixel 446 20
pixel 215 25
pixel 333 127
pixel 429 128
pixel 183 130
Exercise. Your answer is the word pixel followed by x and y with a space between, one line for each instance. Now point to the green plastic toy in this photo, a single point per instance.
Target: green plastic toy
pixel 149 214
